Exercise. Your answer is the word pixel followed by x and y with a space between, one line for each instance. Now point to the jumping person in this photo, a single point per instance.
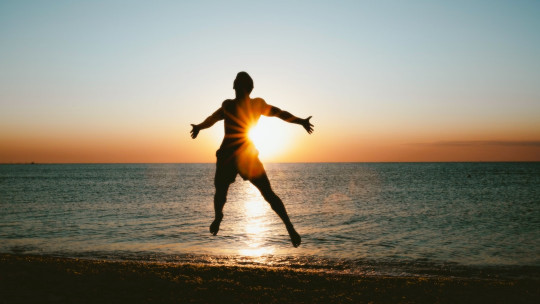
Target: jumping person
pixel 237 154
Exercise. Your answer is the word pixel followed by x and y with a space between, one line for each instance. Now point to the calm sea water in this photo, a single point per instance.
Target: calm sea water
pixel 380 218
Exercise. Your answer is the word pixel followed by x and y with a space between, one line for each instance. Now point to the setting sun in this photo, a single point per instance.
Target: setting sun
pixel 271 137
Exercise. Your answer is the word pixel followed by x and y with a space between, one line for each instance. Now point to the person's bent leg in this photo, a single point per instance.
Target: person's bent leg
pixel 263 184
pixel 225 175
pixel 219 201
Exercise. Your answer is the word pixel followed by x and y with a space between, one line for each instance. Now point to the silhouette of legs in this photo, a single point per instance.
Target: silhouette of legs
pixel 263 184
pixel 226 170
pixel 219 201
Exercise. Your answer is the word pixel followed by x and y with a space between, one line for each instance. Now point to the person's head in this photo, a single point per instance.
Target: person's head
pixel 243 83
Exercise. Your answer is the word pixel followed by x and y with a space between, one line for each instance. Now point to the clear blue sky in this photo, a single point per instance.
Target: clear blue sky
pixel 376 75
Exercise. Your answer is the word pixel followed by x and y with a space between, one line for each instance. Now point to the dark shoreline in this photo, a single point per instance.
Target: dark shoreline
pixel 38 279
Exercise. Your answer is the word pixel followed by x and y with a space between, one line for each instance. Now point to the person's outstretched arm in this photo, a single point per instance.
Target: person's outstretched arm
pixel 207 123
pixel 288 117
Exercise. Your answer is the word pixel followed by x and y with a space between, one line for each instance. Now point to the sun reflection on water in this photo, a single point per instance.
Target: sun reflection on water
pixel 256 225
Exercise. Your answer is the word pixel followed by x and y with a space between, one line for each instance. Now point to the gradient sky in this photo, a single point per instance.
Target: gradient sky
pixel 120 81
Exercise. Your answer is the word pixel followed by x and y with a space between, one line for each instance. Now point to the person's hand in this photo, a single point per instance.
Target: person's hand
pixel 307 125
pixel 195 131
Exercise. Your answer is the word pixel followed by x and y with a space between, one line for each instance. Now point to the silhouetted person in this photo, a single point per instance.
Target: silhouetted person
pixel 237 154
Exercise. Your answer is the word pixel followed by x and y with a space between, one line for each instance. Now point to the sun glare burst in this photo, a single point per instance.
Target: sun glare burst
pixel 271 137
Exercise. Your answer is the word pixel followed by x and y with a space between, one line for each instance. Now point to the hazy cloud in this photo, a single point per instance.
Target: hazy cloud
pixel 475 143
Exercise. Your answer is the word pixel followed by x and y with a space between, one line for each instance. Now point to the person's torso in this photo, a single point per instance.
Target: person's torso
pixel 239 117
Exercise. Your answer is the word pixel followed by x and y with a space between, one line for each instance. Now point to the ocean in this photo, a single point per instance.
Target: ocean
pixel 397 219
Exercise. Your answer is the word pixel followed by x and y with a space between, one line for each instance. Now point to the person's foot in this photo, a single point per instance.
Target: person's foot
pixel 214 227
pixel 295 238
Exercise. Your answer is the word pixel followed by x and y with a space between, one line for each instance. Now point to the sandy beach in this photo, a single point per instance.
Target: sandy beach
pixel 40 279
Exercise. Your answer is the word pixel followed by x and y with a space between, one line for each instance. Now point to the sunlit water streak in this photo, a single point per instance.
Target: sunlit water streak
pixel 381 218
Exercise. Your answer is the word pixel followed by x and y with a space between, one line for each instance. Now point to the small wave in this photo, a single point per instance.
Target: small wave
pixel 357 267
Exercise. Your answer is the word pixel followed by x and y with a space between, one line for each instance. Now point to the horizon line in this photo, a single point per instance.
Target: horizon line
pixel 307 162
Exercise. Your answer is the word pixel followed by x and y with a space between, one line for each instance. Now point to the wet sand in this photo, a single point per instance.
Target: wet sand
pixel 44 279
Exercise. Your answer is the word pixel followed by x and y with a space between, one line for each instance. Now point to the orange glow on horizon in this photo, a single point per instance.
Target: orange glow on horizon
pixel 164 152
pixel 324 145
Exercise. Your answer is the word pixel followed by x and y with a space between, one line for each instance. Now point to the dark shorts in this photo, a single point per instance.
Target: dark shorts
pixel 231 163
